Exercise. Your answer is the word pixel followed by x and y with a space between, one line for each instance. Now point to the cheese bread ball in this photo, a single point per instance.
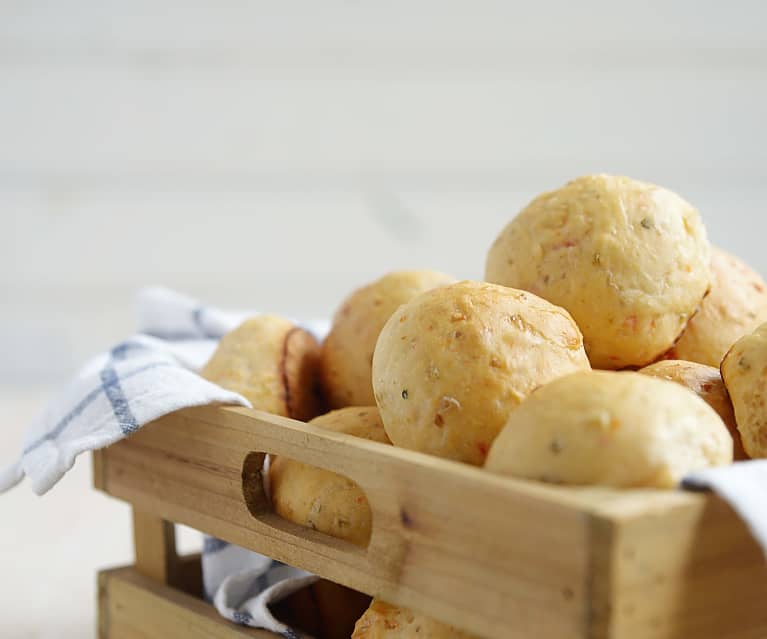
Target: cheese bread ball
pixel 321 499
pixel 452 364
pixel 629 261
pixel 735 306
pixel 744 370
pixel 706 382
pixel 384 621
pixel 616 429
pixel 347 352
pixel 272 363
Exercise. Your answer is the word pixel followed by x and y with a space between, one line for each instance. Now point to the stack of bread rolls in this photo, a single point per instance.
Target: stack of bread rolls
pixel 590 354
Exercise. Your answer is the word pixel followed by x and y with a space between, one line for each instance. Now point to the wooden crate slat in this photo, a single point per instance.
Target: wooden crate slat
pixel 693 572
pixel 496 556
pixel 133 606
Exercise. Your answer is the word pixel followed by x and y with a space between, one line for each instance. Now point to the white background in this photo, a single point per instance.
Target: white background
pixel 275 155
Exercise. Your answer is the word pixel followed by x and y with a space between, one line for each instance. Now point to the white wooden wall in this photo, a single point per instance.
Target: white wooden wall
pixel 276 154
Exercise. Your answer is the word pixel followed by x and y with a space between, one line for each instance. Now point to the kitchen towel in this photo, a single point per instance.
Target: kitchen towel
pixel 142 378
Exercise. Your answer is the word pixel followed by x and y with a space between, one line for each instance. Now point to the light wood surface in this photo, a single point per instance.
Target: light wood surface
pixel 154 543
pixel 133 606
pixel 499 557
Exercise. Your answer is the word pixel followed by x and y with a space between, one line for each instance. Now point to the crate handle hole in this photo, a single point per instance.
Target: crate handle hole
pixel 253 489
pixel 324 501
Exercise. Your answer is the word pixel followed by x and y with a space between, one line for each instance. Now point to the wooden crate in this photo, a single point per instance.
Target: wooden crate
pixel 499 557
pixel 134 606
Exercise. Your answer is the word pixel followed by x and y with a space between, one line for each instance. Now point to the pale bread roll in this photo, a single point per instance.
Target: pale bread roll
pixel 384 621
pixel 321 499
pixel 735 306
pixel 452 364
pixel 271 362
pixel 629 261
pixel 707 383
pixel 347 352
pixel 744 371
pixel 616 429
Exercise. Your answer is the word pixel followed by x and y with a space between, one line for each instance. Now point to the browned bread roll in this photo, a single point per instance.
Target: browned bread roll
pixel 735 306
pixel 321 499
pixel 272 363
pixel 707 383
pixel 347 352
pixel 384 621
pixel 452 364
pixel 629 261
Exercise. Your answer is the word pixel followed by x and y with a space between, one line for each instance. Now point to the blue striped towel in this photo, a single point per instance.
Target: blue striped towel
pixel 145 377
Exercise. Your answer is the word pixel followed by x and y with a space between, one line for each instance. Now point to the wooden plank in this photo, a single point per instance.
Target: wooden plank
pixel 691 571
pixel 301 28
pixel 154 543
pixel 430 547
pixel 132 606
pixel 98 469
pixel 495 556
pixel 393 126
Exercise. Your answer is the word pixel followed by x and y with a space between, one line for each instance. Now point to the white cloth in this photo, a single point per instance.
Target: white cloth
pixel 241 585
pixel 152 374
pixel 140 379
pixel 744 486
pixel 144 377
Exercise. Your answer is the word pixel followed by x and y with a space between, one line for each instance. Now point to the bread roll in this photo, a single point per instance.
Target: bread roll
pixel 347 352
pixel 736 306
pixel 321 499
pixel 629 261
pixel 272 363
pixel 452 364
pixel 744 370
pixel 706 382
pixel 616 429
pixel 384 621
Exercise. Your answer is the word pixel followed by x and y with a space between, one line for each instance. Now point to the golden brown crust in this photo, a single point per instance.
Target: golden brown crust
pixel 323 500
pixel 736 306
pixel 272 363
pixel 300 373
pixel 616 429
pixel 384 621
pixel 629 260
pixel 707 383
pixel 452 364
pixel 347 352
pixel 744 370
